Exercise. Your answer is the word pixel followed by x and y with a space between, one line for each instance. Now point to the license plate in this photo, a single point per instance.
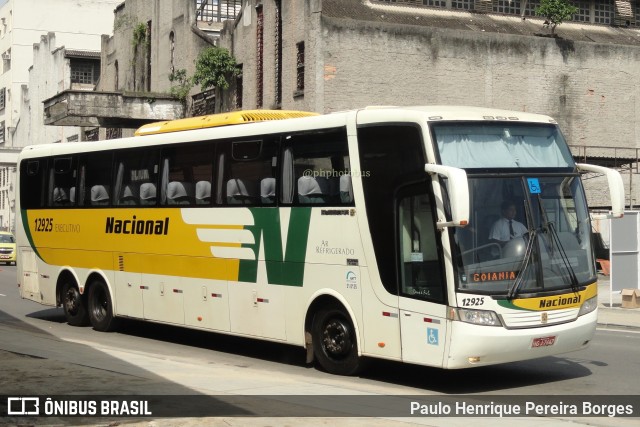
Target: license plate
pixel 4 256
pixel 543 342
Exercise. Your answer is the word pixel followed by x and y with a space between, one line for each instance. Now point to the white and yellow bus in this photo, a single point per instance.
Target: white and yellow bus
pixel 359 234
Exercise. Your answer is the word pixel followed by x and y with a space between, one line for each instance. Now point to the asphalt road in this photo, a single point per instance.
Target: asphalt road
pixel 40 354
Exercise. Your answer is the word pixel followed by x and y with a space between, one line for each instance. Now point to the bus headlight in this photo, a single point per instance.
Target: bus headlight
pixel 479 317
pixel 588 306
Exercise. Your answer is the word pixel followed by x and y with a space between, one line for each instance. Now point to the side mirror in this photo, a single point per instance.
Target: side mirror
pixel 616 189
pixel 458 189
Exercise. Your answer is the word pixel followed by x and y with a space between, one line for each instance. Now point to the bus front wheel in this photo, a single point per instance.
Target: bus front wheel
pixel 73 304
pixel 101 307
pixel 334 342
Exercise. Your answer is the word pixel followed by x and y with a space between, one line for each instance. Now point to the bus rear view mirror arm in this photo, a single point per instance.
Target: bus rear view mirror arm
pixel 458 191
pixel 616 189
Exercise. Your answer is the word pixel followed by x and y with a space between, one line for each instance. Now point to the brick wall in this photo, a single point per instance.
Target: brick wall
pixel 589 88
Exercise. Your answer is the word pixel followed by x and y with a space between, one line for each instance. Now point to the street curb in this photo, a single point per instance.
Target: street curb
pixel 616 326
pixel 618 317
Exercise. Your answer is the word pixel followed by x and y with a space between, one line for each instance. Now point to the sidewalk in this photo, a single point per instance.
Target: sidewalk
pixel 610 311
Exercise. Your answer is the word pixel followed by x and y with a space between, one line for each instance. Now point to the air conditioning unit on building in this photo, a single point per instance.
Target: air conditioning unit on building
pixel 6 56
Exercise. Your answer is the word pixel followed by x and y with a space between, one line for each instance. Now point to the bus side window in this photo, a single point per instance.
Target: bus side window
pixel 317 163
pixel 33 177
pixel 134 168
pixel 249 172
pixel 187 173
pixel 63 184
pixel 95 171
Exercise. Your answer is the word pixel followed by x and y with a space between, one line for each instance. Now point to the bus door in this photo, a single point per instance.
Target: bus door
pixel 422 289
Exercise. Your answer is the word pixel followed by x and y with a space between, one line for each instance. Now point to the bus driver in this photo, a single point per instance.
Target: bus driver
pixel 507 228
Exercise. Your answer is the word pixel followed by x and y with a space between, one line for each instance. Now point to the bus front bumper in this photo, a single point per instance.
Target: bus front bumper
pixel 474 345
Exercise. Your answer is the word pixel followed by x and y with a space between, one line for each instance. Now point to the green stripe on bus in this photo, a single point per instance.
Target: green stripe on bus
pixel 284 267
pixel 27 231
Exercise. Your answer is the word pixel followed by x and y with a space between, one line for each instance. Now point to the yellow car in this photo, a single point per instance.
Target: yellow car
pixel 7 248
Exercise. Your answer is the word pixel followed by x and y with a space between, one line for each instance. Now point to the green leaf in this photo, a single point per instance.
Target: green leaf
pixel 556 12
pixel 213 66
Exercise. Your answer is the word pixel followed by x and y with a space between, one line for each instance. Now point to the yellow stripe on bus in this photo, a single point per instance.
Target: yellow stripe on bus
pixel 556 302
pixel 96 238
pixel 221 119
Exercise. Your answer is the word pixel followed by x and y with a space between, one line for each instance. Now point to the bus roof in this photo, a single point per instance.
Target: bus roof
pixel 257 122
pixel 448 112
pixel 221 119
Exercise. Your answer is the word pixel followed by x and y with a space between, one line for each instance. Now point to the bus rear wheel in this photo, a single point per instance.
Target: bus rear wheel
pixel 334 342
pixel 101 307
pixel 73 304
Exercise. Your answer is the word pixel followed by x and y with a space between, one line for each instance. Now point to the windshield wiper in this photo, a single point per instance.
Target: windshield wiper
pixel 517 283
pixel 575 287
pixel 549 227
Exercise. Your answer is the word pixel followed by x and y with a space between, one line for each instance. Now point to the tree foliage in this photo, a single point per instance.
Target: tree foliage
pixel 213 66
pixel 183 84
pixel 555 12
pixel 139 35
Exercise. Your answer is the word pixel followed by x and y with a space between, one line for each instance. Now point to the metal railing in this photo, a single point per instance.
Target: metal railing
pixel 217 10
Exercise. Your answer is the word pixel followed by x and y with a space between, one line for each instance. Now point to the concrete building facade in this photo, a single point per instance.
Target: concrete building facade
pixel 152 42
pixel 354 53
pixel 55 69
pixel 22 23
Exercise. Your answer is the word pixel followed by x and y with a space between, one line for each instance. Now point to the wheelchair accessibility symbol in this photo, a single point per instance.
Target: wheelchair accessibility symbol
pixel 534 186
pixel 432 336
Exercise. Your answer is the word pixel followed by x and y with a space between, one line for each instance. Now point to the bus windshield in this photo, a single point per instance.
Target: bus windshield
pixel 501 145
pixel 526 235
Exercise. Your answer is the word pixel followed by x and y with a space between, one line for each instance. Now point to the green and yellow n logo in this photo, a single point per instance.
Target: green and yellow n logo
pixel 284 262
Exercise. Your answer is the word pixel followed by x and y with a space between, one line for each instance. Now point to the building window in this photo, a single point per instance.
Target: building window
pixel 6 61
pixel 507 6
pixel 239 88
pixel 92 134
pixel 435 3
pixel 603 13
pixel 113 133
pixel 148 56
pixel 3 96
pixel 73 138
pixel 278 54
pixel 299 68
pixel 259 64
pixel 116 70
pixel 172 51
pixel 217 11
pixel 2 132
pixel 462 4
pixel 584 12
pixel 84 72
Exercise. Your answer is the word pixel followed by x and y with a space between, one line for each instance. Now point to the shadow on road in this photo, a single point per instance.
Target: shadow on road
pixel 38 363
pixel 498 378
pixel 501 379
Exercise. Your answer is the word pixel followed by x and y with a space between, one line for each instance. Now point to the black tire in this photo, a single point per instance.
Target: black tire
pixel 74 305
pixel 101 307
pixel 335 344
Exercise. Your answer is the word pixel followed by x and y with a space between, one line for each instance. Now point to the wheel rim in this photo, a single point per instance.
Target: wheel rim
pixel 72 300
pixel 100 304
pixel 336 339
